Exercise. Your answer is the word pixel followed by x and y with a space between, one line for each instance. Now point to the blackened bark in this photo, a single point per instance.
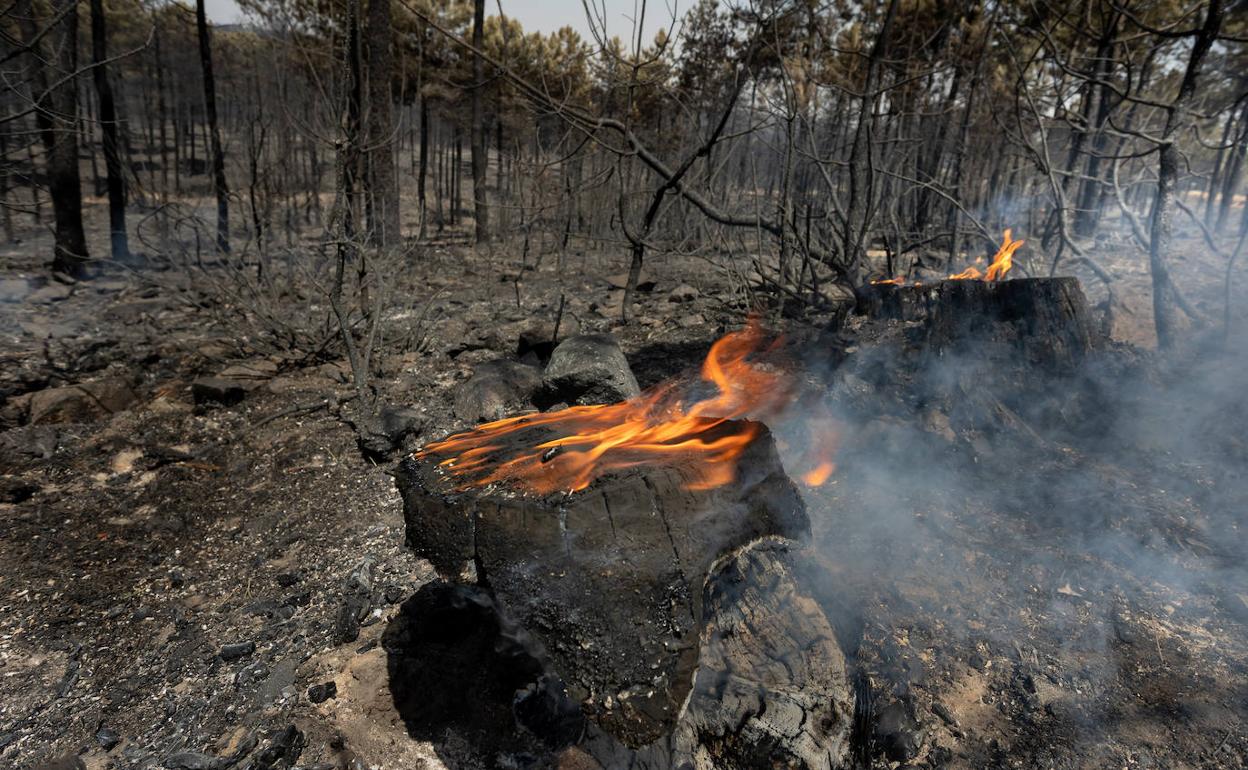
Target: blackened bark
pixel 1165 312
pixel 383 190
pixel 60 110
pixel 1233 172
pixel 1088 210
pixel 162 113
pixel 423 174
pixel 120 242
pixel 210 108
pixel 861 176
pixel 481 210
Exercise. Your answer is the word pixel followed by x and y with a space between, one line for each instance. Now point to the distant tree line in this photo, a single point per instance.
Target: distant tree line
pixel 830 141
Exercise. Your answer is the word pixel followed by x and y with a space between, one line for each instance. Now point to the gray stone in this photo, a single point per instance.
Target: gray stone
pixel 587 369
pixel 683 293
pixel 217 390
pixel 83 402
pixel 357 600
pixel 108 738
pixel 53 292
pixel 67 762
pixel 319 693
pixel 495 389
pixel 237 651
pixel 191 760
pixel 13 289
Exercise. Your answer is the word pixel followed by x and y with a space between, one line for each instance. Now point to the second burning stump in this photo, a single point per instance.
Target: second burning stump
pixel 609 579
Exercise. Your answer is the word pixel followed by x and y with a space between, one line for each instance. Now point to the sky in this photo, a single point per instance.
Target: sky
pixel 543 15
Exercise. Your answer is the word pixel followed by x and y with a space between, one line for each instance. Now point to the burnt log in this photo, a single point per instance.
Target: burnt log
pixel 610 580
pixel 1047 320
pixel 771 688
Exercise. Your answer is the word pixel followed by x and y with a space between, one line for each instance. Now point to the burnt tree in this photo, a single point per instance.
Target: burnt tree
pixel 56 115
pixel 1165 302
pixel 219 184
pixel 108 126
pixel 383 194
pixel 481 211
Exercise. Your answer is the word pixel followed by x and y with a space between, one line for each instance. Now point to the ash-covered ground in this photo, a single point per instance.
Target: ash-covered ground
pixel 1024 572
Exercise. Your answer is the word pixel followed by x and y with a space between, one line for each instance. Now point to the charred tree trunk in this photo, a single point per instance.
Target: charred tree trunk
pixel 621 583
pixel 1046 320
pixel 481 211
pixel 219 184
pixel 1088 209
pixel 423 174
pixel 861 176
pixel 162 113
pixel 383 190
pixel 108 124
pixel 1232 172
pixel 1165 313
pixel 60 111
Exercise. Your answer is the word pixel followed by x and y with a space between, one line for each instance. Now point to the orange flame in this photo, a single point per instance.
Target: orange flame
pixel 567 450
pixel 1002 261
pixel 898 281
pixel 969 274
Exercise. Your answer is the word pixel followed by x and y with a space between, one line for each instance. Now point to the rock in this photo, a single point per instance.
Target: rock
pixel 110 287
pixel 205 390
pixel 683 293
pixel 336 371
pixel 587 369
pixel 690 321
pixel 108 738
pixel 251 674
pixel 260 369
pixel 537 339
pixel 191 760
pixel 319 693
pixel 382 433
pixel 13 289
pixel 38 441
pixel 16 490
pixel 83 402
pixel 496 389
pixel 283 751
pixel 399 422
pixel 357 600
pixel 42 329
pixel 67 762
pixel 53 292
pixel 237 651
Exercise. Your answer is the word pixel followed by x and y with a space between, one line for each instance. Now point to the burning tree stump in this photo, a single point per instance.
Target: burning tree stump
pixel 1046 319
pixel 610 579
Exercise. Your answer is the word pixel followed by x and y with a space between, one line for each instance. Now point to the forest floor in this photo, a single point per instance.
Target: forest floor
pixel 175 572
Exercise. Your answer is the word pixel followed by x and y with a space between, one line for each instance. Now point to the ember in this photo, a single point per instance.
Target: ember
pixel 568 449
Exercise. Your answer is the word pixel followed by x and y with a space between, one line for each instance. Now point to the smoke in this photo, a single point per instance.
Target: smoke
pixel 1075 532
